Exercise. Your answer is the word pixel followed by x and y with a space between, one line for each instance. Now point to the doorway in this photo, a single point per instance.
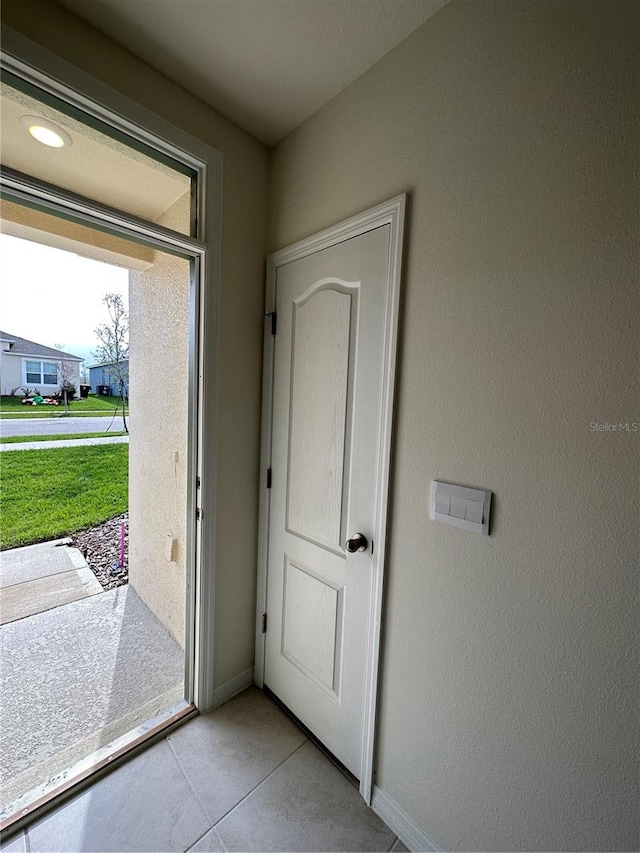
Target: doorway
pixel 94 525
pixel 165 250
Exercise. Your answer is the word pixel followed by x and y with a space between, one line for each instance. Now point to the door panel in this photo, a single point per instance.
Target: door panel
pixel 323 328
pixel 327 399
pixel 312 625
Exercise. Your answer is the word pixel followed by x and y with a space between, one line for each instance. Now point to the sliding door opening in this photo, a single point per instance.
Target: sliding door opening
pixel 100 380
pixel 94 455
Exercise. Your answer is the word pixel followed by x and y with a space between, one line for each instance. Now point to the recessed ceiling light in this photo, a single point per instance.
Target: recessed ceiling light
pixel 46 131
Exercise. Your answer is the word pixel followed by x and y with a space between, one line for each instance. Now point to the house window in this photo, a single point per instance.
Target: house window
pixel 41 373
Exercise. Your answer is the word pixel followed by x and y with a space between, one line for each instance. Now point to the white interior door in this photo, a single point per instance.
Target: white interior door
pixel 328 411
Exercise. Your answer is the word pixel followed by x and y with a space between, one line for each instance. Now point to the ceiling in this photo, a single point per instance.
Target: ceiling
pixel 94 165
pixel 266 64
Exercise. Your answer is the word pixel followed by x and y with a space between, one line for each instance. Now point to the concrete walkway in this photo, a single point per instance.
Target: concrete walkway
pixel 63 442
pixel 39 577
pixel 18 565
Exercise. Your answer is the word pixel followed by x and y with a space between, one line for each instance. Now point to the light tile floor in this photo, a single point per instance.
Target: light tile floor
pixel 242 778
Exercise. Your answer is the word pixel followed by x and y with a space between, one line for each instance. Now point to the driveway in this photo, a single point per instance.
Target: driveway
pixel 58 426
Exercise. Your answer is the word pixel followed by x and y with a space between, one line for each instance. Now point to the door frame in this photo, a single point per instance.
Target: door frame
pixel 96 100
pixel 390 213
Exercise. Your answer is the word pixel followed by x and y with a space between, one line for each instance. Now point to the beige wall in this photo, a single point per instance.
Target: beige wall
pixel 508 684
pixel 159 373
pixel 242 299
pixel 506 707
pixel 47 230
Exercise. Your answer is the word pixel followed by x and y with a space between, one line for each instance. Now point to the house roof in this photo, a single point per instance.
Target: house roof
pixel 107 363
pixel 21 346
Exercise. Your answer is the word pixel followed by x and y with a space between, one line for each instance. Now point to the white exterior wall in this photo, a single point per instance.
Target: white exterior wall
pixel 13 372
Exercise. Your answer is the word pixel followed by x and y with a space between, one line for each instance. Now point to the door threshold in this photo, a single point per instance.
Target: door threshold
pixel 323 749
pixel 72 781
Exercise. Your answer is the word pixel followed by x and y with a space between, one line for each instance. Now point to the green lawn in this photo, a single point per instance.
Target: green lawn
pixel 92 407
pixel 17 439
pixel 48 494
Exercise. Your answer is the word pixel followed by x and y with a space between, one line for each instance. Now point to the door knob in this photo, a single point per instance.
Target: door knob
pixel 358 542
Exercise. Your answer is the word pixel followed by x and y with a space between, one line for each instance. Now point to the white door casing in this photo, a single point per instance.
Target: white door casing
pixel 328 392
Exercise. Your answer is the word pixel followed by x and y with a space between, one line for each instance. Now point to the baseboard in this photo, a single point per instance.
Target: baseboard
pixel 232 687
pixel 399 821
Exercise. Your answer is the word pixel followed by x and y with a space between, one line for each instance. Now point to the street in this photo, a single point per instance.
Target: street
pixel 58 426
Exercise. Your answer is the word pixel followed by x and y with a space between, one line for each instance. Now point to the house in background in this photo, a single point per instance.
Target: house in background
pixel 27 364
pixel 106 376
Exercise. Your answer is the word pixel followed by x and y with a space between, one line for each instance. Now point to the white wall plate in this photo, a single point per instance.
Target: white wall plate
pixel 460 506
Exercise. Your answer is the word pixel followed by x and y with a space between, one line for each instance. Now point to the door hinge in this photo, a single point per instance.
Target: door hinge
pixel 198 514
pixel 268 478
pixel 274 320
pixel 264 623
pixel 197 482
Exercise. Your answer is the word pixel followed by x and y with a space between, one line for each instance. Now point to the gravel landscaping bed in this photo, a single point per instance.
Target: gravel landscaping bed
pixel 100 546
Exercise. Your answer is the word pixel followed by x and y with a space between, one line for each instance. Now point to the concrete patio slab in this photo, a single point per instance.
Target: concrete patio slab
pixel 76 677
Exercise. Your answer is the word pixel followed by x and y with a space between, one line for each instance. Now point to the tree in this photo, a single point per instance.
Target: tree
pixel 113 349
pixel 65 376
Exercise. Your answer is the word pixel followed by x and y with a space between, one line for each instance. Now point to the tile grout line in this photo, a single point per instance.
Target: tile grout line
pixel 211 829
pixel 189 786
pixel 262 781
pixel 197 796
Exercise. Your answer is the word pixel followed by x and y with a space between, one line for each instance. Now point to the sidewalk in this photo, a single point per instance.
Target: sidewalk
pixel 40 577
pixel 71 442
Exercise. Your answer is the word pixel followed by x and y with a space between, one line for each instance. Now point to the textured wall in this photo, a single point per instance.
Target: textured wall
pixel 508 682
pixel 242 300
pixel 158 376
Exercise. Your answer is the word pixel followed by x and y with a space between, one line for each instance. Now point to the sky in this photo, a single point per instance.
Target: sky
pixel 55 297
